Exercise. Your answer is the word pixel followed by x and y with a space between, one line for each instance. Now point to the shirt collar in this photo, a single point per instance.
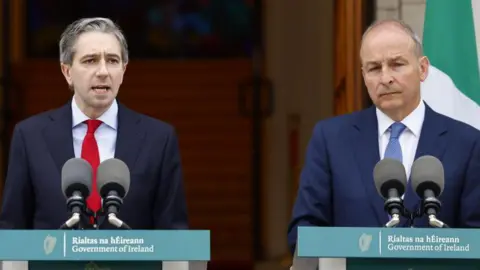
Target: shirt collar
pixel 413 121
pixel 109 117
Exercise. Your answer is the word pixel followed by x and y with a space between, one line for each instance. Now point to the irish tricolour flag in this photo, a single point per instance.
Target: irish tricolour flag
pixel 451 39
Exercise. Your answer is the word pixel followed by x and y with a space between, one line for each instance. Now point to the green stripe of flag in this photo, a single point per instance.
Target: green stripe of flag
pixel 449 43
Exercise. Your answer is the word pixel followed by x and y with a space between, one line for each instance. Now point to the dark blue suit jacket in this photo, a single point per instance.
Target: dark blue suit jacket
pixel 41 144
pixel 337 188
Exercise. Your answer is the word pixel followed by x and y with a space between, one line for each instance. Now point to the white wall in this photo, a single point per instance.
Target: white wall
pixel 410 11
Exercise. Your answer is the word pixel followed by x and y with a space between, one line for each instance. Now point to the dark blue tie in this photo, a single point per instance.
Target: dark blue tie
pixel 393 148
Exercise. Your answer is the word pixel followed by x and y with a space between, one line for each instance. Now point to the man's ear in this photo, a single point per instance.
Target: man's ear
pixel 66 73
pixel 424 64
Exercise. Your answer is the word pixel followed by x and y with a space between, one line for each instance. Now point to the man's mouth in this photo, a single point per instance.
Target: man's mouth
pixel 388 94
pixel 101 89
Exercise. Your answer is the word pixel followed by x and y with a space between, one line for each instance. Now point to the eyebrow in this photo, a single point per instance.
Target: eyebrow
pixel 396 58
pixel 95 55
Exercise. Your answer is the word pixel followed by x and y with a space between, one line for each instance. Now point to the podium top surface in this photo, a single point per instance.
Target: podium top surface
pixel 105 245
pixel 422 243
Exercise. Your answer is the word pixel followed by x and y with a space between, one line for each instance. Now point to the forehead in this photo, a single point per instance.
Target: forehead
pixel 97 43
pixel 387 43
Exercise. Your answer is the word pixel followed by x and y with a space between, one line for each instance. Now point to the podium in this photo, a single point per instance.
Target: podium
pixel 344 248
pixel 104 249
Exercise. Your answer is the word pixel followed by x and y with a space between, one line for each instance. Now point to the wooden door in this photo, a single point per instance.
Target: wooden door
pixel 351 20
pixel 198 97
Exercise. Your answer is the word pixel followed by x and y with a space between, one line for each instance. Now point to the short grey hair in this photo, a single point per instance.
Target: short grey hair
pixel 418 47
pixel 74 30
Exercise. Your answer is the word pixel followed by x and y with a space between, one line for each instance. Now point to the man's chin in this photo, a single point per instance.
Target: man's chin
pixel 106 97
pixel 100 103
pixel 389 105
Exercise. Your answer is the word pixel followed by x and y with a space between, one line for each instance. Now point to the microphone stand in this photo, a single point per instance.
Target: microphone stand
pixel 436 223
pixel 394 206
pixel 404 212
pixel 113 202
pixel 77 221
pixel 393 222
pixel 76 206
pixel 73 221
pixel 115 221
pixel 432 206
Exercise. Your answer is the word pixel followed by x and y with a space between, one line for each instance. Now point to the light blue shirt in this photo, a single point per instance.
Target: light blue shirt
pixel 106 134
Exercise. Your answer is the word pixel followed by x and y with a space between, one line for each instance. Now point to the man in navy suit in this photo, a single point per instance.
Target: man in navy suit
pixel 336 186
pixel 94 126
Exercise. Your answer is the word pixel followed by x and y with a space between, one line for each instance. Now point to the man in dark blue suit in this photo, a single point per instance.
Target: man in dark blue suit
pixel 336 186
pixel 94 126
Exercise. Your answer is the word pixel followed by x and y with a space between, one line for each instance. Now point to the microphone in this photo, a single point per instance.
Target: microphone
pixel 113 182
pixel 428 181
pixel 76 187
pixel 390 180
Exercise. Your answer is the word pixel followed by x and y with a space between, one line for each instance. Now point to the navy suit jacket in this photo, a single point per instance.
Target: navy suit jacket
pixel 337 188
pixel 40 146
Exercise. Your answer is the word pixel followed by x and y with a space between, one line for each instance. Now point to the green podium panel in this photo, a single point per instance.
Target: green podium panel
pixel 103 249
pixel 393 248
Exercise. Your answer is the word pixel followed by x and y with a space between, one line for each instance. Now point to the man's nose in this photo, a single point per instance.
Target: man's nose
pixel 102 69
pixel 386 76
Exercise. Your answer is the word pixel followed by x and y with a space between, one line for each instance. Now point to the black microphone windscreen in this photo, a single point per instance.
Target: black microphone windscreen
pixel 113 175
pixel 76 176
pixel 387 174
pixel 427 173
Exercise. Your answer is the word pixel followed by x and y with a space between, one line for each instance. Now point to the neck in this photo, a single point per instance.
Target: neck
pixel 91 112
pixel 401 113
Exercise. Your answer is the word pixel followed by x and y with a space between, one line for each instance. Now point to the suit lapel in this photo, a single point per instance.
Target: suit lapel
pixel 59 139
pixel 365 143
pixel 58 135
pixel 432 142
pixel 129 141
pixel 129 137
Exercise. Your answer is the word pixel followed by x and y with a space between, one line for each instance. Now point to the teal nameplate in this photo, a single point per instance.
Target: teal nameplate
pixel 413 264
pixel 99 245
pixel 99 265
pixel 334 242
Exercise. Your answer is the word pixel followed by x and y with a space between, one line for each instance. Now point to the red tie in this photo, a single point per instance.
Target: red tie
pixel 90 154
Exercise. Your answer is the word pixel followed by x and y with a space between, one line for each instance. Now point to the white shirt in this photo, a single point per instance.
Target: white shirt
pixel 409 137
pixel 106 134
